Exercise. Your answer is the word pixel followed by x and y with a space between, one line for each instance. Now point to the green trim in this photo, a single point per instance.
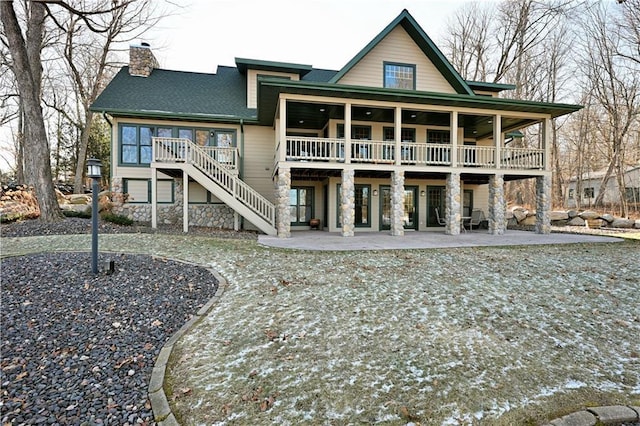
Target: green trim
pixel 424 43
pixel 490 87
pixel 215 118
pixel 397 64
pixel 125 189
pixel 244 64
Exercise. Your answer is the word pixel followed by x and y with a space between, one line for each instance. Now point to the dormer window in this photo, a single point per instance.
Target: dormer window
pixel 399 76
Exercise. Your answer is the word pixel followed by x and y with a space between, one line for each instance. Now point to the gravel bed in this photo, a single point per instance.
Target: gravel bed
pixel 74 225
pixel 79 348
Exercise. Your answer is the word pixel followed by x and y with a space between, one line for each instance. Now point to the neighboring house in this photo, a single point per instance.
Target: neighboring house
pixel 378 145
pixel 590 187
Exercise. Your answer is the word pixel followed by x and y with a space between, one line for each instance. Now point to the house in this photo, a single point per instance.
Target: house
pixel 590 182
pixel 378 145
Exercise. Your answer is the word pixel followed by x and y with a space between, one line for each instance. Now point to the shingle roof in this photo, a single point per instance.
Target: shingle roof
pixel 212 97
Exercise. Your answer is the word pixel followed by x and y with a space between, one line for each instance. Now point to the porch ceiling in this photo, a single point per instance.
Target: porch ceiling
pixel 269 91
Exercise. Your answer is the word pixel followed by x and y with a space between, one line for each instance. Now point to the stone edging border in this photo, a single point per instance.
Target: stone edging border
pixel 607 415
pixel 159 404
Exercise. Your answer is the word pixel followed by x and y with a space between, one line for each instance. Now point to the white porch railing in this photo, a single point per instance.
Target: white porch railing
pixel 300 148
pixel 183 150
pixel 171 150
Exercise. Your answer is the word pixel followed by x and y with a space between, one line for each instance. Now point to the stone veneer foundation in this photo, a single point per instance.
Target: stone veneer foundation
pixel 543 205
pixel 283 214
pixel 452 204
pixel 208 215
pixel 497 205
pixel 397 203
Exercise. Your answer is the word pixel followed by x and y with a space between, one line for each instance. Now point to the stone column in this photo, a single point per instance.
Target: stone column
pixel 397 203
pixel 497 223
pixel 543 204
pixel 452 204
pixel 283 215
pixel 348 203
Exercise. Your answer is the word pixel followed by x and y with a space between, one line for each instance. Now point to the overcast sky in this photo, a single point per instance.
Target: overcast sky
pixel 323 33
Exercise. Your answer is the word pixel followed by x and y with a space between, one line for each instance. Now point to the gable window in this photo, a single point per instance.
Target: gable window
pixel 135 144
pixel 399 76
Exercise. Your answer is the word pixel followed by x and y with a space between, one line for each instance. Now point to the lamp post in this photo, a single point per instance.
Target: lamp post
pixel 94 172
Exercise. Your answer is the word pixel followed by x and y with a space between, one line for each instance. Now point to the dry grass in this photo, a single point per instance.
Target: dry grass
pixel 458 336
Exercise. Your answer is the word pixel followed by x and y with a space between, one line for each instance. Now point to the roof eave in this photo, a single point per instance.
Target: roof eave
pixel 213 118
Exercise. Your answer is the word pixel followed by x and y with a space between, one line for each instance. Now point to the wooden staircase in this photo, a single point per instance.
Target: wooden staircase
pixel 212 169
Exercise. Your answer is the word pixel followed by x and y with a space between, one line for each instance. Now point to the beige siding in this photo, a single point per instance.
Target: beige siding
pixel 397 46
pixel 197 193
pixel 259 154
pixel 138 191
pixel 165 191
pixel 252 84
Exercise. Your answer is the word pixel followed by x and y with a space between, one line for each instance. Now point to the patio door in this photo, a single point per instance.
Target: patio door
pixel 435 200
pixel 410 216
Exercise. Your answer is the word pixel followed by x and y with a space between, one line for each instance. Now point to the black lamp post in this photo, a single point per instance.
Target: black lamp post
pixel 95 173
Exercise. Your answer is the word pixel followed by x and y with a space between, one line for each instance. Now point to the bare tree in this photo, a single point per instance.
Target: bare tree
pixel 616 91
pixel 25 48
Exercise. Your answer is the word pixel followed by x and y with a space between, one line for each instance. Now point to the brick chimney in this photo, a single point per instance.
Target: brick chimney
pixel 141 60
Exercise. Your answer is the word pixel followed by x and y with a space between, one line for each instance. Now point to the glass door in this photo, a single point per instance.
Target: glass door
pixel 435 200
pixel 410 216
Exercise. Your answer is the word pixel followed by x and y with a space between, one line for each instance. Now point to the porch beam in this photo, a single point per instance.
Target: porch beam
pixel 185 201
pixel 453 130
pixel 398 135
pixel 154 197
pixel 497 139
pixel 347 133
pixel 282 152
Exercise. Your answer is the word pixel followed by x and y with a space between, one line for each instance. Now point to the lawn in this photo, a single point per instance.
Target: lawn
pixel 503 335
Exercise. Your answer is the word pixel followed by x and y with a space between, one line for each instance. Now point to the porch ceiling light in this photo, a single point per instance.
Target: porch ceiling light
pixel 413 115
pixel 301 121
pixel 322 110
pixel 368 113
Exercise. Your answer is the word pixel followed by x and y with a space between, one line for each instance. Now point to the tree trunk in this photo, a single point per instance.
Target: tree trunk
pixel 28 74
pixel 82 154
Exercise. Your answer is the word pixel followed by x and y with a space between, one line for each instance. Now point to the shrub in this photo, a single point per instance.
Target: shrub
pixel 72 213
pixel 117 219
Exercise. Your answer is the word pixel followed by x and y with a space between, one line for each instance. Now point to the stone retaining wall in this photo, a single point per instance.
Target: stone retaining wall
pixel 522 218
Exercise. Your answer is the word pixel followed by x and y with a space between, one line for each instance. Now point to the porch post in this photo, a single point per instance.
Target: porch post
pixel 543 204
pixel 546 145
pixel 347 133
pixel 452 204
pixel 283 214
pixel 185 201
pixel 154 197
pixel 348 202
pixel 397 203
pixel 497 139
pixel 282 131
pixel 453 130
pixel 398 135
pixel 497 223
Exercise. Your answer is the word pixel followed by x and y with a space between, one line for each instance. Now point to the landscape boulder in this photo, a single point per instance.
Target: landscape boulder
pixel 623 223
pixel 588 214
pixel 576 221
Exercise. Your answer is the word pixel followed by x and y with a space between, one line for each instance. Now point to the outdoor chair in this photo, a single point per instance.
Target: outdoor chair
pixel 441 221
pixel 477 217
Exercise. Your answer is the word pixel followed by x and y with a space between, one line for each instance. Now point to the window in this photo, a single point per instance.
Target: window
pixel 467 202
pixel 362 206
pixel 139 191
pixel 406 134
pixel 438 136
pixel 571 193
pixel 301 205
pixel 632 194
pixel 135 147
pixel 399 76
pixel 589 192
pixel 357 132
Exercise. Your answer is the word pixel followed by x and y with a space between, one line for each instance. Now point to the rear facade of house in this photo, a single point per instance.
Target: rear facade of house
pixel 396 140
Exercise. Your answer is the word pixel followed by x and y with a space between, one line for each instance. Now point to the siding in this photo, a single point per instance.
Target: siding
pixel 259 154
pixel 252 84
pixel 398 46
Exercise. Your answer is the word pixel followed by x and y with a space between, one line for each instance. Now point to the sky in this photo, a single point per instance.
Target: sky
pixel 323 33
pixel 199 35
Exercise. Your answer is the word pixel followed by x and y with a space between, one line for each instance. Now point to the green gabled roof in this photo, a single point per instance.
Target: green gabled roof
pixel 490 87
pixel 424 43
pixel 244 64
pixel 220 97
